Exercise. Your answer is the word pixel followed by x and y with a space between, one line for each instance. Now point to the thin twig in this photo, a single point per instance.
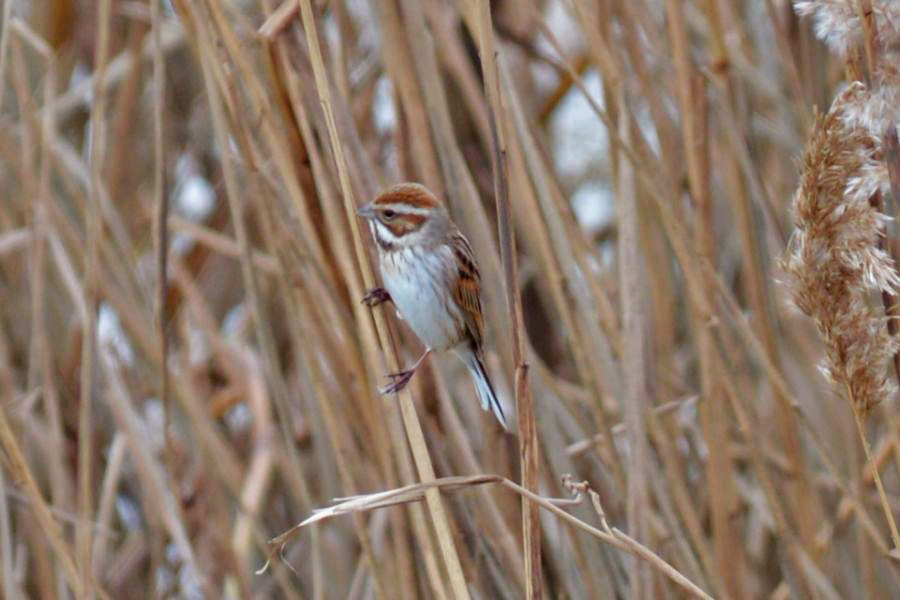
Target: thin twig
pixel 416 492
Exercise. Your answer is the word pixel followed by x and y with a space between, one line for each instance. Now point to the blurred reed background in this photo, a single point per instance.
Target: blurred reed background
pixel 157 432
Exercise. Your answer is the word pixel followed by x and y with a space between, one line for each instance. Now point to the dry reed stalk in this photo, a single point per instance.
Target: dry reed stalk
pixel 698 272
pixel 4 46
pixel 635 359
pixel 264 329
pixel 503 532
pixel 527 430
pixel 94 219
pixel 7 578
pixel 150 470
pixel 289 460
pixel 601 373
pixel 539 194
pixel 410 98
pixel 19 469
pixel 39 362
pixel 692 98
pixel 106 499
pixel 161 226
pixel 413 428
pixel 751 206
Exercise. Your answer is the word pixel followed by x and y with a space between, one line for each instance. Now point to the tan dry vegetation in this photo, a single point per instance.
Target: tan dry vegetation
pixel 675 436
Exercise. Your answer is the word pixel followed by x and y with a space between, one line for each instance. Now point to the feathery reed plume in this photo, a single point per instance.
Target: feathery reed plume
pixel 834 256
pixel 839 24
pixel 837 262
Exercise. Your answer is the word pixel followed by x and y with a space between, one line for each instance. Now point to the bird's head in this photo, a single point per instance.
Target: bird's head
pixel 407 214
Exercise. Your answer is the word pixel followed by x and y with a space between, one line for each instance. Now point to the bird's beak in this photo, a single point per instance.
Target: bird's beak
pixel 366 211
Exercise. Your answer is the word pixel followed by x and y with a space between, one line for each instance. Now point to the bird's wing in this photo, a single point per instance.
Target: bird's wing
pixel 467 287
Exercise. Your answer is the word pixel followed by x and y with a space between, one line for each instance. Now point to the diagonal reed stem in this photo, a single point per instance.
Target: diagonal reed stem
pixel 860 427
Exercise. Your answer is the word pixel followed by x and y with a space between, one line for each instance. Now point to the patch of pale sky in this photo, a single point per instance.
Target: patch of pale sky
pixel 578 137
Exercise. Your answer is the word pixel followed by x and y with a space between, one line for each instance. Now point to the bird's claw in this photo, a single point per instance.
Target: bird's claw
pixel 376 296
pixel 397 383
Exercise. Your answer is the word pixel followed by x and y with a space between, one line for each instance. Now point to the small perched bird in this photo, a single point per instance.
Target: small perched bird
pixel 429 273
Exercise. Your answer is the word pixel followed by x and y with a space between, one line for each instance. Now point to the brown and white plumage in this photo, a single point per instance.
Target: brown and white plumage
pixel 430 274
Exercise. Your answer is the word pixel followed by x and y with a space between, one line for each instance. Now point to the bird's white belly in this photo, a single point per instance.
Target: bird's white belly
pixel 421 296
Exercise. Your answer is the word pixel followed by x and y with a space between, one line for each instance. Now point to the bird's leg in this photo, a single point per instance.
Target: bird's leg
pixel 376 296
pixel 400 379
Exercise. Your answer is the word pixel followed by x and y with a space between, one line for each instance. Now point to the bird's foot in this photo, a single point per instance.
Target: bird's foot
pixel 397 383
pixel 376 296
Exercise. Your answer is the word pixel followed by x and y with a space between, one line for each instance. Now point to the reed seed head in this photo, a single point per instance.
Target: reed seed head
pixel 835 256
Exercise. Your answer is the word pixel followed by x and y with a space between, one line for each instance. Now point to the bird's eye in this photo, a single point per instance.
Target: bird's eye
pixel 389 214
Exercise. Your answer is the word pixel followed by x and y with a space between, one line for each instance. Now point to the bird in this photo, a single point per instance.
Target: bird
pixel 429 273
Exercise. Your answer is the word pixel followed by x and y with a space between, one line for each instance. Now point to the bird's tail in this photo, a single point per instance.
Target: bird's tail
pixel 486 394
